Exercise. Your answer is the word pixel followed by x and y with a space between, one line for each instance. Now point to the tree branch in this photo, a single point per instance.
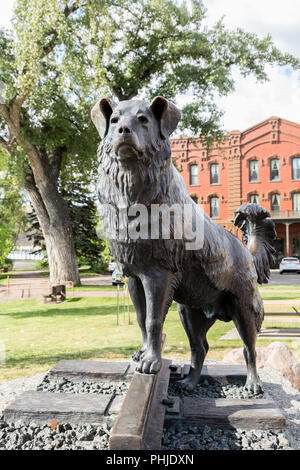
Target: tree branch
pixel 4 145
pixel 37 202
pixel 52 43
pixel 56 161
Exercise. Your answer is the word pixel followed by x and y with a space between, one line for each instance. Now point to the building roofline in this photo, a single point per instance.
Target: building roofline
pixel 246 131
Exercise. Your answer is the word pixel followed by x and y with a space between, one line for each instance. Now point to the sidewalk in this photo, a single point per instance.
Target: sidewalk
pixel 33 285
pixel 34 281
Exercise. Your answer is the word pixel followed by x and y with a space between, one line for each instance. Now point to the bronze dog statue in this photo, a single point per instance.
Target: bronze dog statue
pixel 217 280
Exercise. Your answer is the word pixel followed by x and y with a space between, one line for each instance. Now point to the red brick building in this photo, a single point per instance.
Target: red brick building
pixel 260 164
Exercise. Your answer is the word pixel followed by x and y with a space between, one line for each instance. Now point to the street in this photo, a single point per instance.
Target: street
pixel 285 279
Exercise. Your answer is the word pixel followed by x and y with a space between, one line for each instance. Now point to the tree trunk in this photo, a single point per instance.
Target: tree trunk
pixel 63 265
pixel 41 187
pixel 56 227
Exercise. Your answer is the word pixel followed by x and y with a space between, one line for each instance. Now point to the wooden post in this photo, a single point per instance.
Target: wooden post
pixel 128 308
pixel 124 306
pixel 287 241
pixel 118 293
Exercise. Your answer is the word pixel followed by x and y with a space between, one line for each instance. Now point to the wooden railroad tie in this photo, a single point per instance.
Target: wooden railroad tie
pixel 42 407
pixel 225 413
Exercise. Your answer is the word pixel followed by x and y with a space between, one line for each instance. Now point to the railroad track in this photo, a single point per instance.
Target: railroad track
pixel 140 417
pixel 147 408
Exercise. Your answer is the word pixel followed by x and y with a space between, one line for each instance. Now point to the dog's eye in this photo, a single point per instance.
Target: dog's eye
pixel 114 120
pixel 143 119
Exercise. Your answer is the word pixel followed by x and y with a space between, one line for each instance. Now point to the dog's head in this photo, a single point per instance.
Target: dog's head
pixel 131 125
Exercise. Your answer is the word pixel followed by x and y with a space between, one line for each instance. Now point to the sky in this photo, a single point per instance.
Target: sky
pixel 251 102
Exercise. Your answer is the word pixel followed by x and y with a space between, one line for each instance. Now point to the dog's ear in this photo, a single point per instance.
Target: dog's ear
pixel 166 113
pixel 100 115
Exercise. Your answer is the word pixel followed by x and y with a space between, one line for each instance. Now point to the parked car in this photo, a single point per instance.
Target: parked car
pixel 112 266
pixel 289 264
pixel 117 277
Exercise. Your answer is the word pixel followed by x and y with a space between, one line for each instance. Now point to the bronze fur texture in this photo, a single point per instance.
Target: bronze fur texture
pixel 215 281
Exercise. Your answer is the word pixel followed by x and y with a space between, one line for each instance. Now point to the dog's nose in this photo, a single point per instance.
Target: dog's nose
pixel 123 130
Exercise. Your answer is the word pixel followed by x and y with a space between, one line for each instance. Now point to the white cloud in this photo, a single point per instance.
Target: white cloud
pixel 279 19
pixel 252 102
pixel 6 12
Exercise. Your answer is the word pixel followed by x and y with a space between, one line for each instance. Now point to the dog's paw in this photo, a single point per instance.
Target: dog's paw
pixel 187 384
pixel 137 356
pixel 254 386
pixel 149 364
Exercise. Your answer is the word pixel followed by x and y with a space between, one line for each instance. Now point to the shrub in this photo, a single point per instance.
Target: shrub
pixel 7 265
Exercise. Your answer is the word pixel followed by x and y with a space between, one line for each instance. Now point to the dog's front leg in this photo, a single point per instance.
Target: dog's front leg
pixel 137 295
pixel 159 289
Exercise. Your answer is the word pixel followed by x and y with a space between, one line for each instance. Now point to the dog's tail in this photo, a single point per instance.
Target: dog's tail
pixel 258 233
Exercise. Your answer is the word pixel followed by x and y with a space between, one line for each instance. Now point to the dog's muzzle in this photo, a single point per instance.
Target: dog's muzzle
pixel 126 149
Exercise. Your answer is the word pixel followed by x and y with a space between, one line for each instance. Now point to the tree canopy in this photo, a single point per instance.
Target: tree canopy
pixel 62 54
pixel 11 210
pixel 66 52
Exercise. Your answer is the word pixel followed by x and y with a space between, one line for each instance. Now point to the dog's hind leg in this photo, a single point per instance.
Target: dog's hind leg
pixel 244 320
pixel 196 326
pixel 137 295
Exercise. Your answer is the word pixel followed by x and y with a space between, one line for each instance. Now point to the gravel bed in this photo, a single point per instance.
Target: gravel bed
pixel 213 389
pixel 64 437
pixel 66 385
pixel 68 436
pixel 276 387
pixel 193 438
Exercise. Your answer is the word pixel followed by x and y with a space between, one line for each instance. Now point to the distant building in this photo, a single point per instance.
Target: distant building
pixel 259 165
pixel 24 255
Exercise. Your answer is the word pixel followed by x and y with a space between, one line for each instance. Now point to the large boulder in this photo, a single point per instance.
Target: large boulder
pixel 277 356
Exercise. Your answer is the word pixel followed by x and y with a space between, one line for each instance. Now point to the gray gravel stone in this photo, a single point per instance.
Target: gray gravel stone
pixel 69 437
pixel 213 389
pixel 66 385
pixel 220 439
pixel 64 437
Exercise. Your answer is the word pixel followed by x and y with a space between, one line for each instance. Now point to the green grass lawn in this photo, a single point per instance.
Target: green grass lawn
pixel 3 277
pixel 281 308
pixel 279 288
pixel 269 295
pixel 36 335
pixel 94 288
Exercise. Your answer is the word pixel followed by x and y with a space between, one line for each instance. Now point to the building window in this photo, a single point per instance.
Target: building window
pixel 254 199
pixel 214 174
pixel 195 199
pixel 296 202
pixel 194 175
pixel 296 168
pixel 253 170
pixel 214 207
pixel 275 202
pixel 274 169
pixel 296 246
